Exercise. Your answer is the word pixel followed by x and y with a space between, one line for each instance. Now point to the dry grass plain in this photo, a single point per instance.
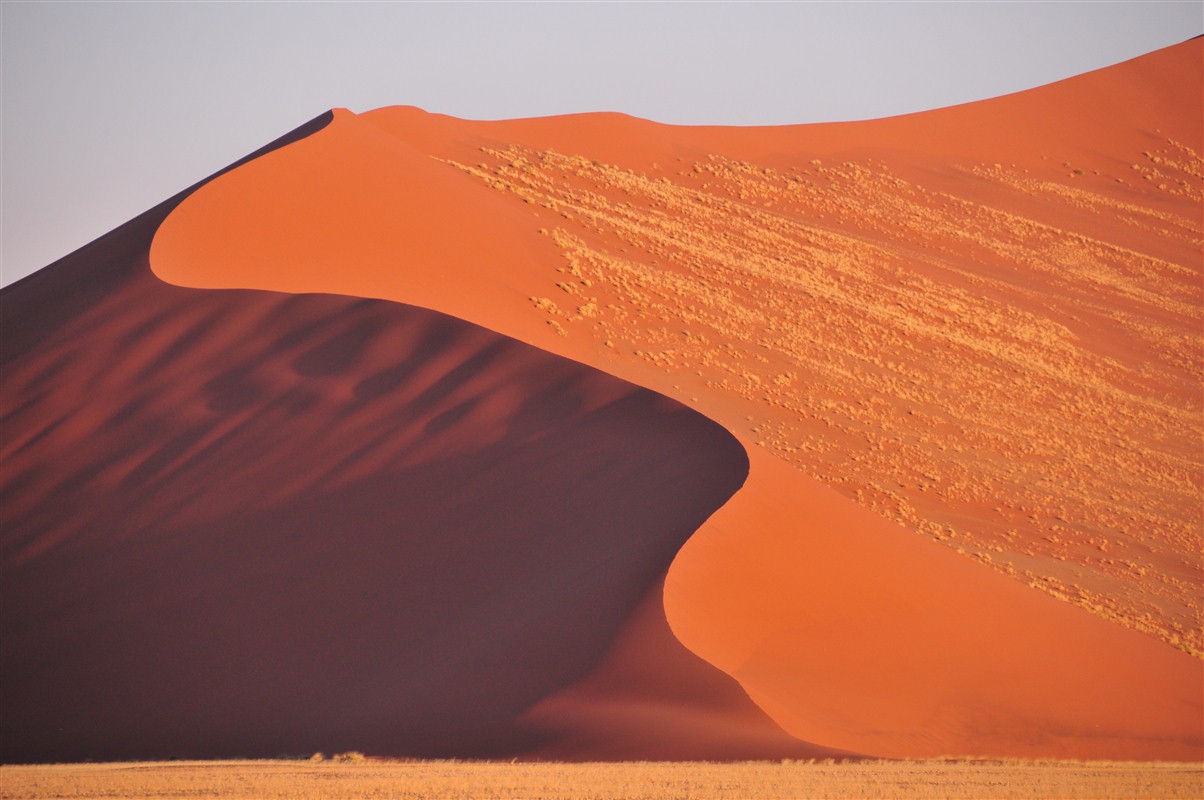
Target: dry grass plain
pixel 238 780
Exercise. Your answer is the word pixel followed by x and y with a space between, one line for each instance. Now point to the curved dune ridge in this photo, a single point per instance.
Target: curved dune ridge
pixel 981 322
pixel 252 523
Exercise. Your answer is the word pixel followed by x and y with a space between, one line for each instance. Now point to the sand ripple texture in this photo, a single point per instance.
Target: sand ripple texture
pixel 1005 362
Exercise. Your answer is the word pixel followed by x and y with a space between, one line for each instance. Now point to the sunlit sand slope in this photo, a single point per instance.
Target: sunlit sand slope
pixel 252 523
pixel 981 323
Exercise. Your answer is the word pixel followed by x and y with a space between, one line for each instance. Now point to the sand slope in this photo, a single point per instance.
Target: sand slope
pixel 980 322
pixel 252 523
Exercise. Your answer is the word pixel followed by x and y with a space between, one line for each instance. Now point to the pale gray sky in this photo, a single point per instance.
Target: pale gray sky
pixel 109 108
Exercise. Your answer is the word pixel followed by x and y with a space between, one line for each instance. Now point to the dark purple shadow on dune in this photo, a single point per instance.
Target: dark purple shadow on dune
pixel 251 524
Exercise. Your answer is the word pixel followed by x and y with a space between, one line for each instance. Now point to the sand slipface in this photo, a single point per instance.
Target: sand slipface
pixel 247 522
pixel 979 322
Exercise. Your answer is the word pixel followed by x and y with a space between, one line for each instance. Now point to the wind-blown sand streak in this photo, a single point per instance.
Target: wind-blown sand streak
pixel 599 236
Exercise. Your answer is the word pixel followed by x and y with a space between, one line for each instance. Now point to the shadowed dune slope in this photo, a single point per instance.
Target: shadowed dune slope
pixel 980 323
pixel 650 698
pixel 245 523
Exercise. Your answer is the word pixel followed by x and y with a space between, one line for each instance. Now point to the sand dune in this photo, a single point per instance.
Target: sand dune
pixel 257 523
pixel 956 355
pixel 980 322
pixel 894 296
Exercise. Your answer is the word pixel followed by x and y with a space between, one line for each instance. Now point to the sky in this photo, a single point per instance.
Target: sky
pixel 106 108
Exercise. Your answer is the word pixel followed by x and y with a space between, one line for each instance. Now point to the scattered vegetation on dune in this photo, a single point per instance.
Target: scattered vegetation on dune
pixel 437 780
pixel 1006 362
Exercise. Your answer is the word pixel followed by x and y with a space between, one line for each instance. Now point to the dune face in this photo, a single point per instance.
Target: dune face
pixel 252 523
pixel 980 323
pixel 651 699
pixel 261 495
pixel 855 636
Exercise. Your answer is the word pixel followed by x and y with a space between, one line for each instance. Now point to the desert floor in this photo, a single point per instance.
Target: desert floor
pixel 607 781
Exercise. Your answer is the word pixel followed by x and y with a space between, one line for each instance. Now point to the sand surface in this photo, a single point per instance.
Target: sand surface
pixel 979 324
pixel 248 522
pixel 593 438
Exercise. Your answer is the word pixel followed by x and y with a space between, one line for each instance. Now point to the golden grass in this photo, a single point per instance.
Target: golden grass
pixel 611 781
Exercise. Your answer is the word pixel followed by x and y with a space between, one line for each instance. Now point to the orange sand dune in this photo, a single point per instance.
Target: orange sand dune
pixel 251 523
pixel 981 322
